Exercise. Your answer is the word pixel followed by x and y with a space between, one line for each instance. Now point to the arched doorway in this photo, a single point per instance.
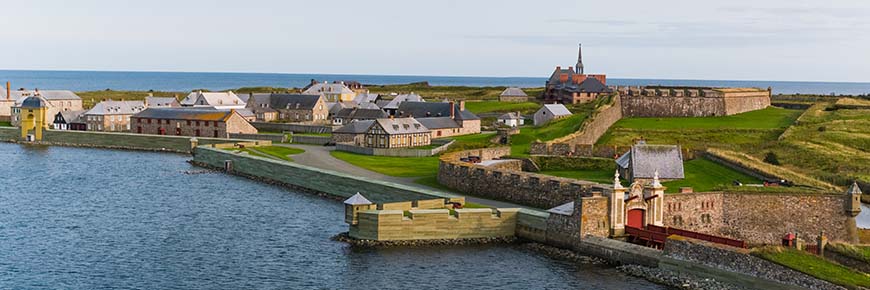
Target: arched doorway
pixel 635 218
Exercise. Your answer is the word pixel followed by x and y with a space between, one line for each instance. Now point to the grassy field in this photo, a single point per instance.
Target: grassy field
pixel 279 152
pixel 859 252
pixel 770 118
pixel 90 98
pixel 449 92
pixel 814 266
pixel 521 142
pixel 701 174
pixel 525 108
pixel 5 124
pixel 392 166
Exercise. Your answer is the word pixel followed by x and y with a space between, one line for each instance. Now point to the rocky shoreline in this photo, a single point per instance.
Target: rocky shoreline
pixel 562 254
pixel 344 237
pixel 674 279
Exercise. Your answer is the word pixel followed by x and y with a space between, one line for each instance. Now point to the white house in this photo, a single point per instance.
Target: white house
pixel 512 119
pixel 550 112
pixel 218 100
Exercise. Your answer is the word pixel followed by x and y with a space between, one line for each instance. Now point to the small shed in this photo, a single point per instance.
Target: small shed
pixel 550 112
pixel 512 119
pixel 643 161
pixel 513 95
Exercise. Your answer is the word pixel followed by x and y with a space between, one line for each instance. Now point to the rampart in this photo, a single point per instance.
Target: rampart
pixel 536 190
pixel 428 224
pixel 580 142
pixel 761 218
pixel 130 141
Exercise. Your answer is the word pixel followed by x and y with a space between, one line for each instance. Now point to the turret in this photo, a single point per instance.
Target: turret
pixel 353 205
pixel 853 206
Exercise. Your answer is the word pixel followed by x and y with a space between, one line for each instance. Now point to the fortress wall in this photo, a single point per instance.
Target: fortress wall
pixel 428 224
pixel 655 106
pixel 736 103
pixel 591 130
pixel 761 218
pixel 129 141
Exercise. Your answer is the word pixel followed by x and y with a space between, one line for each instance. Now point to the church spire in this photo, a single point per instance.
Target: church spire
pixel 579 68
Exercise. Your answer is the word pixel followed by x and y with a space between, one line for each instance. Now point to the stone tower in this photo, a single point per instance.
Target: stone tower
pixel 853 206
pixel 353 205
pixel 579 68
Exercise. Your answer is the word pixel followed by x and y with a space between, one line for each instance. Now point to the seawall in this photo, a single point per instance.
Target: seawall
pixel 129 141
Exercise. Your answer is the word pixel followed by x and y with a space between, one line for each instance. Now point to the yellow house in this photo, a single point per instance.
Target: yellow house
pixel 33 111
pixel 332 92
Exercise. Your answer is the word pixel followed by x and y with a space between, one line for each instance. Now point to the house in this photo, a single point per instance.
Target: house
pixel 384 133
pixel 643 162
pixel 513 95
pixel 348 115
pixel 573 86
pixel 550 112
pixel 69 120
pixel 334 92
pixel 444 119
pixel 219 100
pixel 366 99
pixel 56 101
pixel 292 108
pixel 196 122
pixel 392 106
pixel 161 102
pixel 512 119
pixel 112 116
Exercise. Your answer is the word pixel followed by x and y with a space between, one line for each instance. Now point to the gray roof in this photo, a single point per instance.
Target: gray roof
pixel 161 102
pixel 293 101
pixel 438 123
pixel 186 113
pixel 439 109
pixel 212 99
pixel 361 114
pixel 557 109
pixel 646 159
pixel 357 199
pixel 34 102
pixel 366 98
pixel 854 189
pixel 402 126
pixel 510 116
pixel 383 103
pixel 396 102
pixel 565 209
pixel 49 95
pixel 72 116
pixel 328 88
pixel 358 127
pixel 368 106
pixel 111 107
pixel 513 92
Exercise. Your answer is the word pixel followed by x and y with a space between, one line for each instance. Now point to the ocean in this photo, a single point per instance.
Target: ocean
pixel 188 81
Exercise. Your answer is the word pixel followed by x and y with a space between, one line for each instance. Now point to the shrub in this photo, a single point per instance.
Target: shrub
pixel 770 158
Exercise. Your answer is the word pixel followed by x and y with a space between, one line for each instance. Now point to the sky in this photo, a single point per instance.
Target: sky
pixel 663 39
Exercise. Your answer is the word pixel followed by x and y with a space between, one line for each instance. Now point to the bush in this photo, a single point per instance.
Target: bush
pixel 822 129
pixel 770 158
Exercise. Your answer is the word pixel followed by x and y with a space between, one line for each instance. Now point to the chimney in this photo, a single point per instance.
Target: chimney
pixel 558 67
pixel 462 105
pixel 8 91
pixel 451 110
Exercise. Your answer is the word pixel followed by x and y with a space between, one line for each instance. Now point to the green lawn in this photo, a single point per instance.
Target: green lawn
pixel 392 166
pixel 5 124
pixel 521 142
pixel 859 252
pixel 769 118
pixel 815 266
pixel 496 106
pixel 471 141
pixel 279 152
pixel 701 174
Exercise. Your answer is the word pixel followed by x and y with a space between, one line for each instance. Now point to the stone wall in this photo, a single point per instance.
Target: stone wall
pixel 536 190
pixel 736 103
pixel 296 128
pixel 429 224
pixel 761 218
pixel 180 144
pixel 734 265
pixel 275 138
pixel 314 140
pixel 656 106
pixel 592 129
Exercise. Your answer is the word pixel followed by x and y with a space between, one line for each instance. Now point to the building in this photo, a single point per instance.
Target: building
pixel 444 119
pixel 33 112
pixel 293 108
pixel 392 106
pixel 550 112
pixel 161 102
pixel 645 161
pixel 367 99
pixel 57 101
pixel 512 119
pixel 348 115
pixel 69 120
pixel 112 116
pixel 219 100
pixel 333 92
pixel 196 122
pixel 513 95
pixel 384 133
pixel 573 86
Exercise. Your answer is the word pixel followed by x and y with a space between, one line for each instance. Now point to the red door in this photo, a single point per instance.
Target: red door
pixel 635 218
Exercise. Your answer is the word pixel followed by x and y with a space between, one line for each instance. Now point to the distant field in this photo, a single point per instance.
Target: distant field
pixel 525 108
pixel 449 92
pixel 89 99
pixel 701 174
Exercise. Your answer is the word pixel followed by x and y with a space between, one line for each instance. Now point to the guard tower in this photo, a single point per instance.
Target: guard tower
pixel 33 110
pixel 354 205
pixel 853 206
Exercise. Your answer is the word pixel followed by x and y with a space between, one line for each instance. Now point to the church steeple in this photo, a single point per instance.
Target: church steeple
pixel 579 68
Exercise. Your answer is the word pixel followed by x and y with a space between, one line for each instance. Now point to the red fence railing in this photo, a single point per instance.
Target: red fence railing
pixel 666 231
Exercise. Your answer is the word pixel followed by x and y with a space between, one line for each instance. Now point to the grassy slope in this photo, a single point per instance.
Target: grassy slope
pixel 860 252
pixel 521 142
pixel 770 118
pixel 279 152
pixel 815 266
pixel 392 166
pixel 701 174
pixel 525 108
